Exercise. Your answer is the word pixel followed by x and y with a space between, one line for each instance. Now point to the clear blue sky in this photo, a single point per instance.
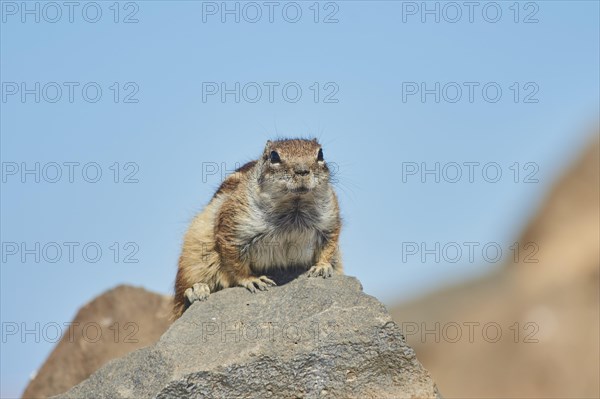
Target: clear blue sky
pixel 371 61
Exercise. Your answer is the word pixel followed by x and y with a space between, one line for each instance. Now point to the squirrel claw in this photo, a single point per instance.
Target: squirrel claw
pixel 252 283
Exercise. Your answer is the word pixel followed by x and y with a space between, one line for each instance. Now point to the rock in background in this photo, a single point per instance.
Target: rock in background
pixel 548 311
pixel 141 317
pixel 310 338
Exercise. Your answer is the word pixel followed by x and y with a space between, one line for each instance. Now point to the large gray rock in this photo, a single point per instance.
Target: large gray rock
pixel 311 337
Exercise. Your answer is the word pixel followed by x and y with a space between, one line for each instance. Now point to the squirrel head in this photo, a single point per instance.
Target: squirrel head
pixel 293 167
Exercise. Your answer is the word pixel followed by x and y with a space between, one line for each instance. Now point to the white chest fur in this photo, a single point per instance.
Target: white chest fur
pixel 288 235
pixel 283 248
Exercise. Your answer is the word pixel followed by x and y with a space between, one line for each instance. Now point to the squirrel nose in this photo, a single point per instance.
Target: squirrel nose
pixel 302 172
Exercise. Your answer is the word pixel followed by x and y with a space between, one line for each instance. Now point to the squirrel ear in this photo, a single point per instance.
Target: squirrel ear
pixel 267 149
pixel 314 140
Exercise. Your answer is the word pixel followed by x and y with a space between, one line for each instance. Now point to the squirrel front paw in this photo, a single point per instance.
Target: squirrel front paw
pixel 197 292
pixel 323 269
pixel 252 283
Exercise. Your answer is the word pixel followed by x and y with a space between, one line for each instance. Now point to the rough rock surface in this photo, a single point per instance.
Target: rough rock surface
pixel 128 318
pixel 311 337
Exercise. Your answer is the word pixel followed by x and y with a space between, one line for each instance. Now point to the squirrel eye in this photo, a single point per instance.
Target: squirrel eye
pixel 320 155
pixel 275 157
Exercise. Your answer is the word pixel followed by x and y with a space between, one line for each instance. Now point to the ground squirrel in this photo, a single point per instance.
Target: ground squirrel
pixel 278 212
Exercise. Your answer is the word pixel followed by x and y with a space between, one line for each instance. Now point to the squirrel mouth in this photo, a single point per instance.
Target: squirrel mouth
pixel 300 190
